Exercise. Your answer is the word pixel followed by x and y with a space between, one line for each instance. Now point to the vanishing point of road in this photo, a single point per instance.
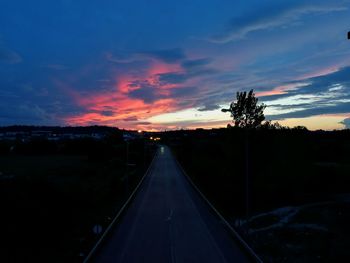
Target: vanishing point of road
pixel 169 222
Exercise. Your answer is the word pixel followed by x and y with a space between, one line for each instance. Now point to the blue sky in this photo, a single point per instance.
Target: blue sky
pixel 173 64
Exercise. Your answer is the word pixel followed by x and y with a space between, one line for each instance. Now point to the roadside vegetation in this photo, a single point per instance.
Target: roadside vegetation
pixel 285 168
pixel 53 193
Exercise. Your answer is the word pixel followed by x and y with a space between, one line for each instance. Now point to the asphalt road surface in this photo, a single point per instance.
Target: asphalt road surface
pixel 168 222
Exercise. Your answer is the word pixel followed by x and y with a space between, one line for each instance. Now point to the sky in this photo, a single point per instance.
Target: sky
pixel 161 64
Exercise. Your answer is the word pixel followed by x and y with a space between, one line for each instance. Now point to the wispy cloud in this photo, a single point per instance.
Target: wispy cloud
pixel 280 14
pixel 327 94
pixel 56 66
pixel 173 55
pixel 331 109
pixel 9 56
pixel 209 107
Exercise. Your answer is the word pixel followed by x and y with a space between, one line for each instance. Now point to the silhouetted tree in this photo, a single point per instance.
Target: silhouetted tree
pixel 272 126
pixel 245 111
pixel 300 128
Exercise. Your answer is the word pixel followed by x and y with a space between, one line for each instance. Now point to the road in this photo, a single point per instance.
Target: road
pixel 168 222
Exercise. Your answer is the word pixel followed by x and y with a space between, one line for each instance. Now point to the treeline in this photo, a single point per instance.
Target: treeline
pixel 59 129
pixel 249 171
pixel 94 148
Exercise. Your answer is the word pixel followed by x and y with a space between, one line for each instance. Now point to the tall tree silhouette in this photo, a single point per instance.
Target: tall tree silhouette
pixel 245 111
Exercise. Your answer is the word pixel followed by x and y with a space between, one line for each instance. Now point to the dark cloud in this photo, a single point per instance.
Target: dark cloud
pixel 318 85
pixel 26 114
pixel 132 118
pixel 183 92
pixel 271 16
pixel 173 55
pixel 323 83
pixel 145 91
pixel 288 106
pixel 327 94
pixel 120 58
pixel 108 108
pixel 346 123
pixel 181 77
pixel 343 107
pixel 9 56
pixel 196 63
pixel 166 55
pixel 144 123
pixel 173 78
pixel 107 113
pixel 150 93
pixel 84 80
pixel 56 66
pixel 209 107
pixel 274 97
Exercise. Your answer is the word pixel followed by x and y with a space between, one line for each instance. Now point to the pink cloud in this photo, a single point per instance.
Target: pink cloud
pixel 123 105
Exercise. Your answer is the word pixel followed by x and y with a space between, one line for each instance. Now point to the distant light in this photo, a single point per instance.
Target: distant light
pixel 151 138
pixel 139 131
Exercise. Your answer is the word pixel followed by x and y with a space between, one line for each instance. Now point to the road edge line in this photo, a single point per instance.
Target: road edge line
pixel 232 231
pixel 120 212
